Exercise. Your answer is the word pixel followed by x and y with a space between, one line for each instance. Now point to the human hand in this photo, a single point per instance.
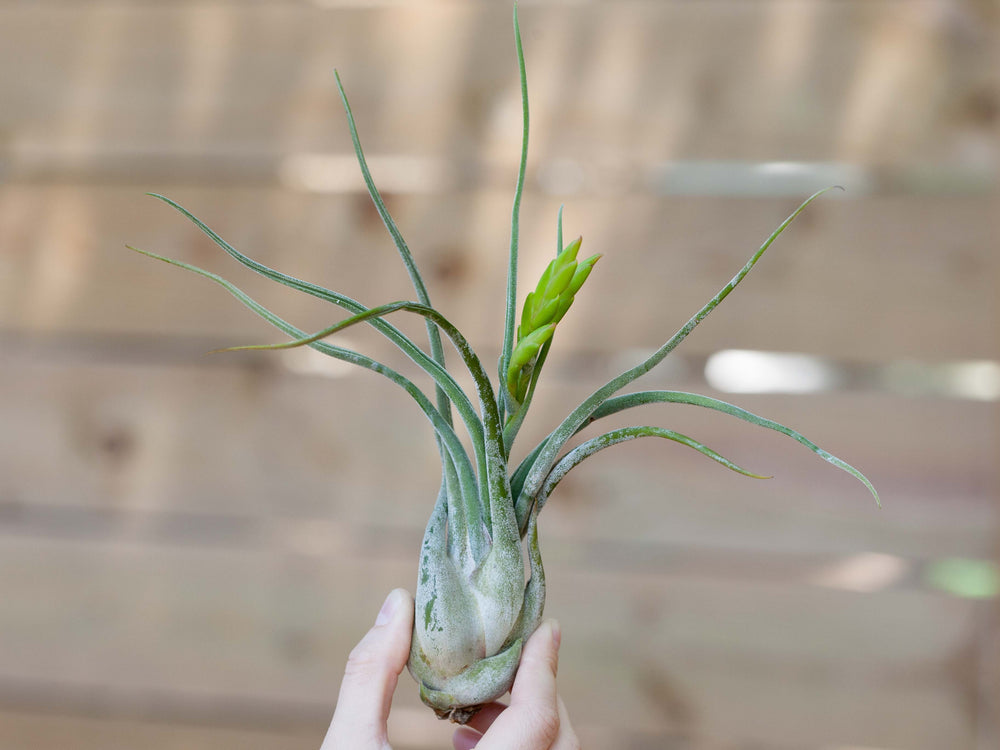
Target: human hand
pixel 535 720
pixel 373 668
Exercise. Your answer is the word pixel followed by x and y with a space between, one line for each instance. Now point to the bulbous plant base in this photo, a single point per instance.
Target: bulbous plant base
pixel 466 693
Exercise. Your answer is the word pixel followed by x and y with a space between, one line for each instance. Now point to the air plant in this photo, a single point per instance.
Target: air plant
pixel 474 608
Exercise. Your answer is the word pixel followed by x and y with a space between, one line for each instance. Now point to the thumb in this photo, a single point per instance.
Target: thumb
pixel 373 668
pixel 532 721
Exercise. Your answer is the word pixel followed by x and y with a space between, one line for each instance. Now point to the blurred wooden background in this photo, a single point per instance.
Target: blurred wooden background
pixel 190 545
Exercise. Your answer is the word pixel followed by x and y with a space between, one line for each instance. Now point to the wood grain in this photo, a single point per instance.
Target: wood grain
pixel 190 545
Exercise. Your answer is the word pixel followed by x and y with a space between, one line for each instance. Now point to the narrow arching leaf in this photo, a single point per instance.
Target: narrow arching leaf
pixel 432 367
pixel 366 315
pixel 627 401
pixel 444 430
pixel 461 344
pixel 631 400
pixel 585 450
pixel 494 491
pixel 515 215
pixel 437 351
pixel 547 457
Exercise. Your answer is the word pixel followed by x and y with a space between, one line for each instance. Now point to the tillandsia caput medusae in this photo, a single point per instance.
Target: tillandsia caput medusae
pixel 474 609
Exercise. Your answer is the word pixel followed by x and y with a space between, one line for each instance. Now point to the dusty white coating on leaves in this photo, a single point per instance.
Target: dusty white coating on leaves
pixel 468 622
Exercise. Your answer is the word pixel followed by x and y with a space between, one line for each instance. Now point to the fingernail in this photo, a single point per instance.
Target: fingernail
pixel 556 632
pixel 389 608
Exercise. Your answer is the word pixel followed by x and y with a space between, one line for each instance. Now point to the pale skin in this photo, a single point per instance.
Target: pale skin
pixel 536 718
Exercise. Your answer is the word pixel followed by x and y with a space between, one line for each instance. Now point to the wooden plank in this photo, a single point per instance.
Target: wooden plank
pixel 92 733
pixel 906 272
pixel 245 584
pixel 259 600
pixel 201 632
pixel 753 683
pixel 244 445
pixel 236 452
pixel 873 280
pixel 869 82
pixel 190 546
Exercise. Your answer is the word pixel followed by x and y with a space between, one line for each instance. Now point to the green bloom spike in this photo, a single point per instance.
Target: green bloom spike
pixel 543 309
pixel 474 607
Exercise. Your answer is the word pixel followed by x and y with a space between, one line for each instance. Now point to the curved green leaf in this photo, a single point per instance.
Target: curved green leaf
pixel 467 480
pixel 437 351
pixel 494 491
pixel 631 400
pixel 585 450
pixel 441 376
pixel 515 216
pixel 547 456
pixel 627 401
